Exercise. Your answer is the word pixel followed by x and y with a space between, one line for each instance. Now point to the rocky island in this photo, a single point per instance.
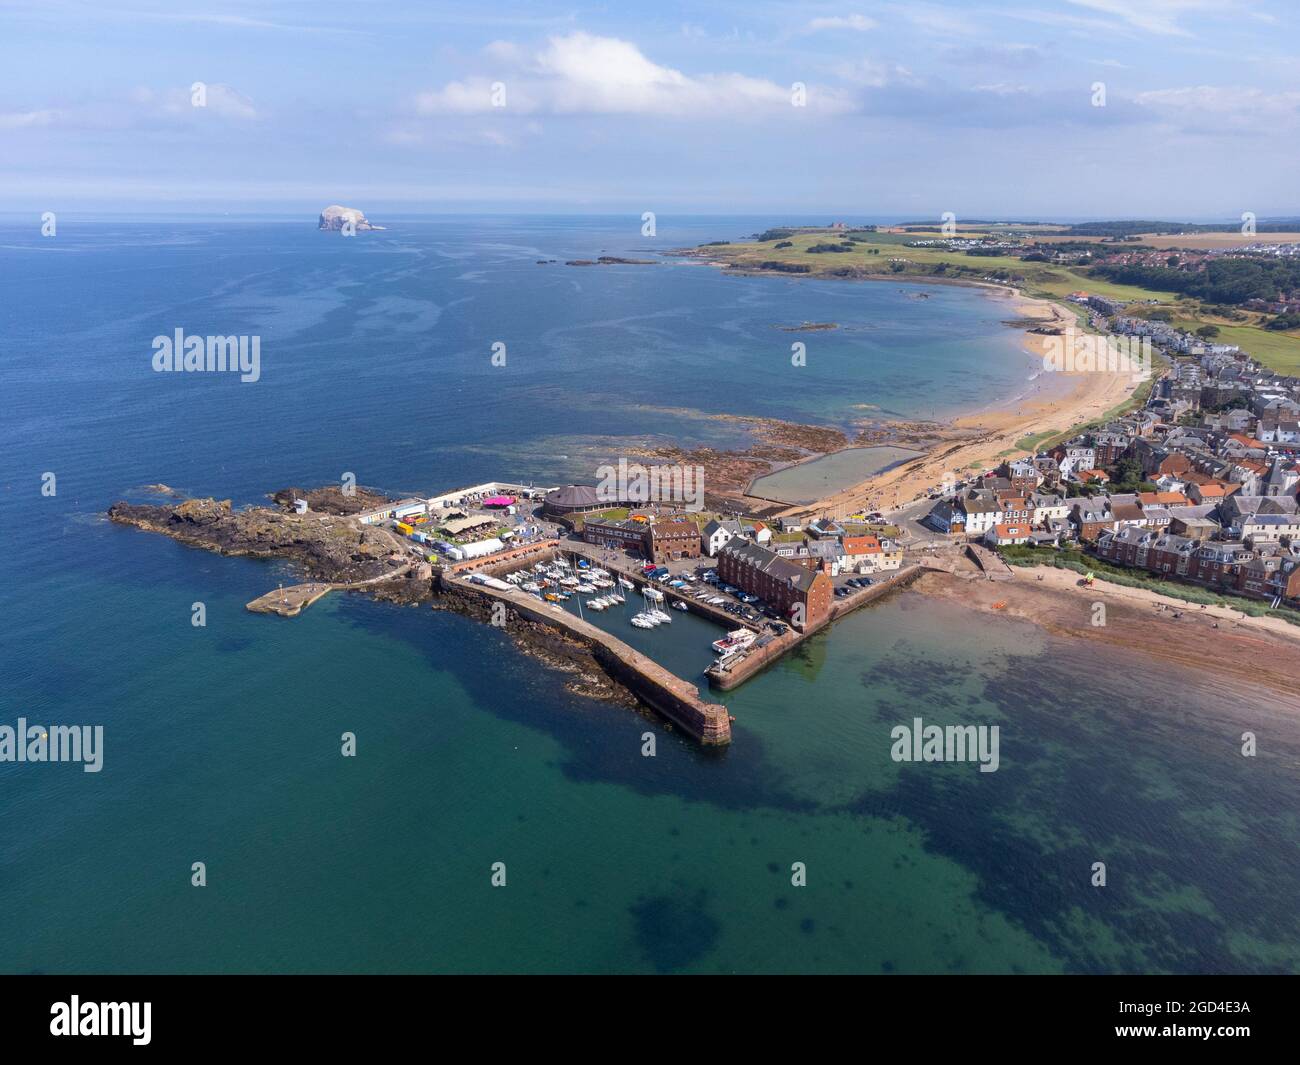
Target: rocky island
pixel 335 217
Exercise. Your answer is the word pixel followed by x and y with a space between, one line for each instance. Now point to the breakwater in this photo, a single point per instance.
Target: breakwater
pixel 668 695
pixel 732 672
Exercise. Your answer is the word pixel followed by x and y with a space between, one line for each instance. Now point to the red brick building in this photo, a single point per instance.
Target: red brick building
pixel 782 584
pixel 669 540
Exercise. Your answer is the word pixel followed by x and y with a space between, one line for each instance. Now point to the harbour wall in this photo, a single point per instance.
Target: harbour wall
pixel 728 675
pixel 662 691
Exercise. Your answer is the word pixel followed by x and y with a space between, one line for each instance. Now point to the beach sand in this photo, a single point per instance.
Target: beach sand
pixel 1264 650
pixel 1054 402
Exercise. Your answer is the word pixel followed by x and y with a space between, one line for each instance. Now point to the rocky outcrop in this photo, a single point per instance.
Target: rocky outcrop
pixel 327 547
pixel 332 499
pixel 335 216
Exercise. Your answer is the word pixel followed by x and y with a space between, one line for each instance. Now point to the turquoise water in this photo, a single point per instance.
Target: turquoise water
pixel 222 743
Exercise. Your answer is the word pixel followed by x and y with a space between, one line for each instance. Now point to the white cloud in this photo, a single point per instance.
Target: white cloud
pixel 585 74
pixel 1156 16
pixel 842 22
pixel 1224 105
pixel 27 119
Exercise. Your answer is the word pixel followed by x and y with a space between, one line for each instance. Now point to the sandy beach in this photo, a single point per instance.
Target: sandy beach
pixel 1263 650
pixel 1053 402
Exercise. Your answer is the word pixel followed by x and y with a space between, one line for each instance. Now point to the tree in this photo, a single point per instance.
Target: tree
pixel 1208 332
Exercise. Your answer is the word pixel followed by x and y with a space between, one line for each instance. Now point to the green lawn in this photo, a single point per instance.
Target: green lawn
pixel 1031 442
pixel 1041 279
pixel 1277 351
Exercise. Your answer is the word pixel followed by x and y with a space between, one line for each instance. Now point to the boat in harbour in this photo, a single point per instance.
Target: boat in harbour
pixel 734 641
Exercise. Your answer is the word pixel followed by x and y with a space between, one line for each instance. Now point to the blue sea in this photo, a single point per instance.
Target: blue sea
pixel 222 742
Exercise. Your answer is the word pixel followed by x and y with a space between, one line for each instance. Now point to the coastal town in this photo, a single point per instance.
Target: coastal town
pixel 1198 484
pixel 1195 487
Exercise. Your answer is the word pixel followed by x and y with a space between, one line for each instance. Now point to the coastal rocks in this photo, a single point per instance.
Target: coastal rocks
pixel 546 644
pixel 610 260
pixel 329 548
pixel 336 217
pixel 331 499
pixel 201 511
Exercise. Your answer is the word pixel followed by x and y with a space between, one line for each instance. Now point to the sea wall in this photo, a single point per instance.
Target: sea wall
pixel 730 675
pixel 665 693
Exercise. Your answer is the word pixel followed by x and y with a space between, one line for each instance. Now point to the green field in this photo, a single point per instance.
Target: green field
pixel 1278 351
pixel 1041 279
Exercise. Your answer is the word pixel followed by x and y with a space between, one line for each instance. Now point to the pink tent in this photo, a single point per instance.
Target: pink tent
pixel 499 501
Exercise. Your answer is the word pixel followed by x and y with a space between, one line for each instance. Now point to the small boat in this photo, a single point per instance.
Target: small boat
pixel 570 582
pixel 551 597
pixel 531 586
pixel 680 605
pixel 642 622
pixel 662 616
pixel 585 588
pixel 653 594
pixel 599 573
pixel 596 604
pixel 623 582
pixel 734 641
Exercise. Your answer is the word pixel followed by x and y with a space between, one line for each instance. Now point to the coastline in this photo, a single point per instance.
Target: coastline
pixel 1257 650
pixel 1053 403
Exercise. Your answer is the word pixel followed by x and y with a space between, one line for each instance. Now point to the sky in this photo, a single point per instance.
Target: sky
pixel 1023 109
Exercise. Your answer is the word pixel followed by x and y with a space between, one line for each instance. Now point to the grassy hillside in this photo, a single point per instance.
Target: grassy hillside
pixel 884 254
